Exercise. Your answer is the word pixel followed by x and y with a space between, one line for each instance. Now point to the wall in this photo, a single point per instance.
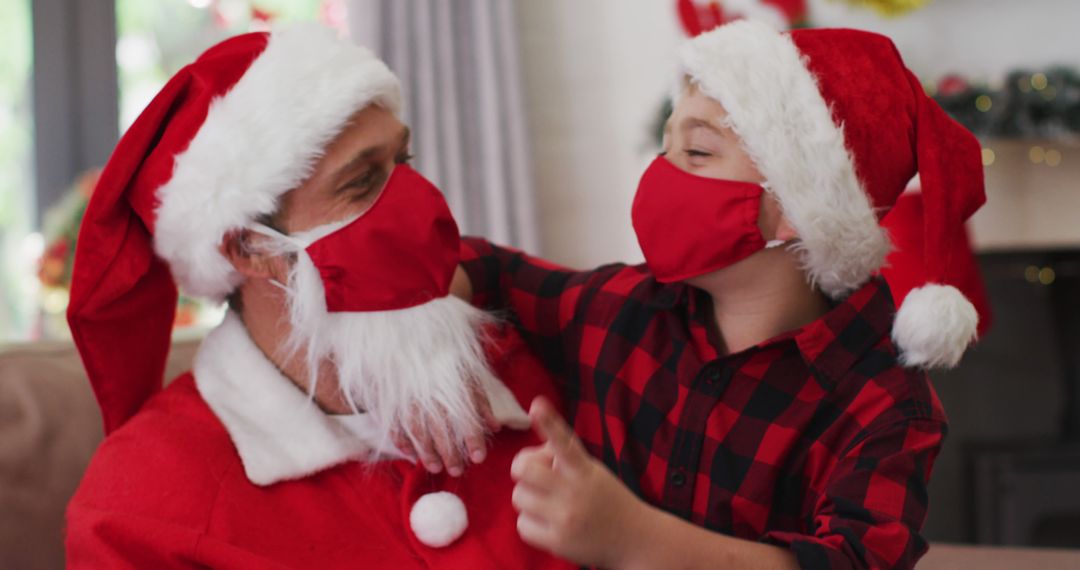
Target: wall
pixel 595 75
pixel 978 38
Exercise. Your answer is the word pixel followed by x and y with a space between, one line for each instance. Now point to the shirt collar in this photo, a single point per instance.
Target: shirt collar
pixel 278 431
pixel 668 295
pixel 830 345
pixel 838 340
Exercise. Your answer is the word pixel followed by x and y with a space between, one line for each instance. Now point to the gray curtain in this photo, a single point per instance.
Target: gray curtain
pixel 459 66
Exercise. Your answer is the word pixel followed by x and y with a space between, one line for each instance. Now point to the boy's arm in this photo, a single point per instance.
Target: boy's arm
pixel 569 504
pixel 868 517
pixel 874 503
pixel 541 296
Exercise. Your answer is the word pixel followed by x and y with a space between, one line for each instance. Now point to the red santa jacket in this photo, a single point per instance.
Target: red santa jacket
pixel 176 487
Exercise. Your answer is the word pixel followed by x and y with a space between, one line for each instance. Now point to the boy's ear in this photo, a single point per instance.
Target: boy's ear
pixel 772 221
pixel 236 247
pixel 785 231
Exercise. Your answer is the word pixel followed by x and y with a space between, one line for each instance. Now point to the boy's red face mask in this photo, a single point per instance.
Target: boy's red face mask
pixel 689 225
pixel 400 253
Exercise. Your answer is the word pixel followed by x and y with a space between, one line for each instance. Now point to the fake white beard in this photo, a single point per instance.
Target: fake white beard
pixel 413 370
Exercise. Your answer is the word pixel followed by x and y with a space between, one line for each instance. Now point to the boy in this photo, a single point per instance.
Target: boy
pixel 742 388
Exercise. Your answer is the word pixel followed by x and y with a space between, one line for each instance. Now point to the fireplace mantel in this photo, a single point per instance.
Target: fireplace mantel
pixel 1033 196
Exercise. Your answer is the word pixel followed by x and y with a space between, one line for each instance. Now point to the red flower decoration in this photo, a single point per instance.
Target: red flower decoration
pixel 951 85
pixel 697 16
pixel 260 15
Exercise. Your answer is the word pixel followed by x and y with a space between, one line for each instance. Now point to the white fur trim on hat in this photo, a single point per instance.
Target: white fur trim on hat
pixel 438 519
pixel 933 327
pixel 774 105
pixel 258 141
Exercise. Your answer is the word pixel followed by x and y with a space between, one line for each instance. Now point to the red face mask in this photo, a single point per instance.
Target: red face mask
pixel 689 225
pixel 400 253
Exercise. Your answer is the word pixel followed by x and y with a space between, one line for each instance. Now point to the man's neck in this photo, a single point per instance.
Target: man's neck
pixel 269 331
pixel 759 298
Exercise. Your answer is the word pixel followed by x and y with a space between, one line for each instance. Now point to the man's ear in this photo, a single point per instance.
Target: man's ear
pixel 236 246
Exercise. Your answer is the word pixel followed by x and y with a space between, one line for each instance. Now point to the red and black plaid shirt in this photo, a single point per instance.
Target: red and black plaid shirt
pixel 816 440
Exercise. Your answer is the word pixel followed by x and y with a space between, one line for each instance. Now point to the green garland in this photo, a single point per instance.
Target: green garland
pixel 1028 105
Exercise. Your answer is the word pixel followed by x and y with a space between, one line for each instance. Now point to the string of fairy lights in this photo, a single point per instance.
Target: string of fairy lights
pixel 1042 107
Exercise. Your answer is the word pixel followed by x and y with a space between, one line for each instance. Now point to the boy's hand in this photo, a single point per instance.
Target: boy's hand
pixel 568 502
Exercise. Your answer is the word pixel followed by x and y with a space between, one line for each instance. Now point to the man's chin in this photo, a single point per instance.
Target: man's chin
pixel 414 370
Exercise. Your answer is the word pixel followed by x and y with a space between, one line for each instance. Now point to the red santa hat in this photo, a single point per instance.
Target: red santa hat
pixel 838 126
pixel 225 138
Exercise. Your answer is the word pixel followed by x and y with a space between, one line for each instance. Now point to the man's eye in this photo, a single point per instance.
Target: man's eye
pixel 365 182
pixel 364 185
pixel 694 152
pixel 403 158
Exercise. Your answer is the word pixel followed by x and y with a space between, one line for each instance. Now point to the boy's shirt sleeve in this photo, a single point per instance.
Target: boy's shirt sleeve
pixel 874 503
pixel 541 297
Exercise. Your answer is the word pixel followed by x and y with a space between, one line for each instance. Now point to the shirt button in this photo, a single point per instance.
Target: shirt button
pixel 678 478
pixel 713 376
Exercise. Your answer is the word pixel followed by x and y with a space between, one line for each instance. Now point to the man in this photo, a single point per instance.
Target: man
pixel 273 171
pixel 750 397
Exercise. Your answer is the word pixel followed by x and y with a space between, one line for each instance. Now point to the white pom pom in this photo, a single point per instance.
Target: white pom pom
pixel 934 326
pixel 438 519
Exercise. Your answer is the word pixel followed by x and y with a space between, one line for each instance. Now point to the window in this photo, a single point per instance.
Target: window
pixel 156 38
pixel 19 247
pixel 72 78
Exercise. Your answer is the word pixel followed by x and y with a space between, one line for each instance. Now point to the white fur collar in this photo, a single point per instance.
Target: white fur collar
pixel 278 431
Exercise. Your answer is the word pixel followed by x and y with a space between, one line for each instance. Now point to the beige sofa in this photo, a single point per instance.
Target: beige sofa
pixel 49 427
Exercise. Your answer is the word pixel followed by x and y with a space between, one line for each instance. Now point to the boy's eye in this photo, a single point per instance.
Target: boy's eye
pixel 695 152
pixel 403 158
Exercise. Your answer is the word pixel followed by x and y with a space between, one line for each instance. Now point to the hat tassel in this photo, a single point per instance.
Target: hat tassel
pixel 933 327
